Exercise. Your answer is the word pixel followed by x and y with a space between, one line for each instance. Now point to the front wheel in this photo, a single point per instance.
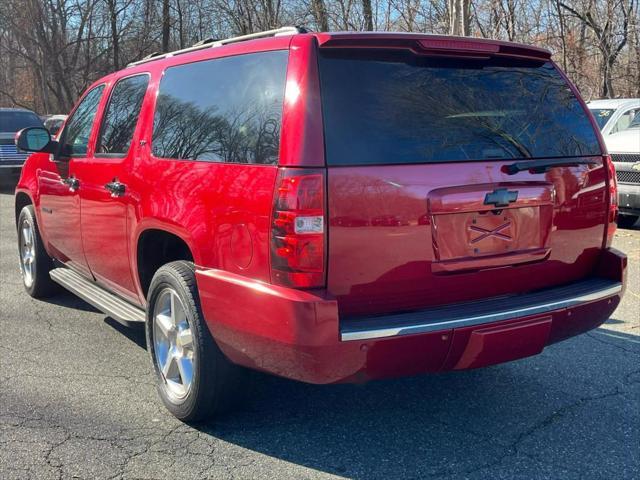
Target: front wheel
pixel 195 379
pixel 627 221
pixel 35 263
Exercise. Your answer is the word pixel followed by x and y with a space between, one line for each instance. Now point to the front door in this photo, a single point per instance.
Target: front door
pixel 59 186
pixel 105 200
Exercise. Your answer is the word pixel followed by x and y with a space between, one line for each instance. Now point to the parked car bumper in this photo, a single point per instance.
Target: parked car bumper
pixel 299 334
pixel 629 198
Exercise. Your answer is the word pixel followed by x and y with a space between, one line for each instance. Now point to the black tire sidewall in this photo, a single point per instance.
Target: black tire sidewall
pixel 172 276
pixel 42 284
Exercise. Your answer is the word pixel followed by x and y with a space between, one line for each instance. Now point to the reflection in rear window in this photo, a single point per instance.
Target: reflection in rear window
pixel 396 107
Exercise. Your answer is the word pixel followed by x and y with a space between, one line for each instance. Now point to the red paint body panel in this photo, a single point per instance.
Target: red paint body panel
pixel 398 238
pixel 295 334
pixel 562 213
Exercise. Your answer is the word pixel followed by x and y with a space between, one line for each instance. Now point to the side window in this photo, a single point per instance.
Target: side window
pixel 625 120
pixel 75 138
pixel 222 110
pixel 121 116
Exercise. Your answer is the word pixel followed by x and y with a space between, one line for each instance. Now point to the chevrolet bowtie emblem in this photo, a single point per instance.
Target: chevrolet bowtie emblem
pixel 501 197
pixel 636 166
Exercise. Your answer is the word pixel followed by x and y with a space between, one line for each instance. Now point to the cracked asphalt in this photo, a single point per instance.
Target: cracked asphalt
pixel 77 400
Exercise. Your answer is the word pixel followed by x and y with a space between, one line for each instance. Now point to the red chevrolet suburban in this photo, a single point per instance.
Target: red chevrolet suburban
pixel 327 207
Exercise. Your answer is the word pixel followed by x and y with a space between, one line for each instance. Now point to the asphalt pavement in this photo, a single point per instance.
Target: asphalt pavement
pixel 77 400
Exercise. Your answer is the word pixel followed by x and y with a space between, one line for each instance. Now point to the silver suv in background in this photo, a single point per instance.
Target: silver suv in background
pixel 624 148
pixel 619 121
pixel 12 120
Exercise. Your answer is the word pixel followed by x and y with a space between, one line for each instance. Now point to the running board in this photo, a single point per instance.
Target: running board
pixel 105 301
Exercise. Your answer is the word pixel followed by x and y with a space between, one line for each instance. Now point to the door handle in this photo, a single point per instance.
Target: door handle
pixel 72 182
pixel 116 188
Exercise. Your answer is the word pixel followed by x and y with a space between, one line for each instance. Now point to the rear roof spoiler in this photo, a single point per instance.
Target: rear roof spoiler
pixel 434 44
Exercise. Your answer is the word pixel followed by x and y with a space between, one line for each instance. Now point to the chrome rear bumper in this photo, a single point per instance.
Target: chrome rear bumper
pixel 479 312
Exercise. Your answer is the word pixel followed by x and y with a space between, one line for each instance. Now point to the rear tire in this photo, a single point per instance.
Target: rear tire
pixel 195 379
pixel 627 221
pixel 35 262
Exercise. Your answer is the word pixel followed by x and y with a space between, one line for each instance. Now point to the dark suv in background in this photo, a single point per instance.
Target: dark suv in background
pixel 12 120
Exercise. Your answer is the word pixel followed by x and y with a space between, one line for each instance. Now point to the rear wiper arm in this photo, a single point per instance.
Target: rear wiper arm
pixel 541 166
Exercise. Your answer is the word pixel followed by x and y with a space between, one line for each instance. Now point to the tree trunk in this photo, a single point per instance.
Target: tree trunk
pixel 166 25
pixel 320 14
pixel 368 15
pixel 459 16
pixel 607 80
pixel 113 20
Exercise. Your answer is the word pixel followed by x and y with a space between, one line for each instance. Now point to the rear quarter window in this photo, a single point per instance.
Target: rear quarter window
pixel 384 107
pixel 223 110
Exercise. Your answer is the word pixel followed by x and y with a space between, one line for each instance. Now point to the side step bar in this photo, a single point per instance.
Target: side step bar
pixel 105 301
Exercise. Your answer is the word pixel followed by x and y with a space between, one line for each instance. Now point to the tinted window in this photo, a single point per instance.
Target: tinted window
pixel 121 115
pixel 387 108
pixel 602 115
pixel 75 137
pixel 16 121
pixel 222 110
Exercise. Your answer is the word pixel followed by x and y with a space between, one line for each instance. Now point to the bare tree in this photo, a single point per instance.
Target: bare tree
pixel 610 25
pixel 459 16
pixel 53 49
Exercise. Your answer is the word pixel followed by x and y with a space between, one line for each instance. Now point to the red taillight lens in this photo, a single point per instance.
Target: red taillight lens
pixel 612 212
pixel 298 229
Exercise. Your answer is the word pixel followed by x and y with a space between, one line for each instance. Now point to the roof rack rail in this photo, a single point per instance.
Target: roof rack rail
pixel 213 42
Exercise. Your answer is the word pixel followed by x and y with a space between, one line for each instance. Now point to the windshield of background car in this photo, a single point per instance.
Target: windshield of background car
pixel 635 123
pixel 16 121
pixel 394 107
pixel 602 115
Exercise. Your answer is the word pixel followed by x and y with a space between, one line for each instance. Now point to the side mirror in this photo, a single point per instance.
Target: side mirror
pixel 35 139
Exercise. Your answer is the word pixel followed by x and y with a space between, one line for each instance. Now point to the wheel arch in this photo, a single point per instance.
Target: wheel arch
pixel 156 246
pixel 22 199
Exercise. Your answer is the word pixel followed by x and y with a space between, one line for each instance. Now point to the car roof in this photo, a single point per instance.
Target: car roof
pixel 212 48
pixel 12 109
pixel 614 103
pixel 433 42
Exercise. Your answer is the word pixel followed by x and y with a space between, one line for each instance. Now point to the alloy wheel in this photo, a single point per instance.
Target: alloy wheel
pixel 27 253
pixel 175 354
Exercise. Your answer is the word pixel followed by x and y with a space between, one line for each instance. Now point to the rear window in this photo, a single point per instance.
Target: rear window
pixel 223 110
pixel 16 121
pixel 395 107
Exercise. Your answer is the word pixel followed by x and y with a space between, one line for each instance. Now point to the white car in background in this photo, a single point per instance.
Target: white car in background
pixel 614 115
pixel 619 121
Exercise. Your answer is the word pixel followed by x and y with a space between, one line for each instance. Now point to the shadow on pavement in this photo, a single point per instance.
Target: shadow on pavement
pixel 134 333
pixel 453 423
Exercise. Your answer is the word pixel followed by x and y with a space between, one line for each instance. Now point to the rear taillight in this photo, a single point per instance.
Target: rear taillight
pixel 298 228
pixel 612 210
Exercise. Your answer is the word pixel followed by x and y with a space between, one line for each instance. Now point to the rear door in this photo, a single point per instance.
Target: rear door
pixel 427 202
pixel 104 197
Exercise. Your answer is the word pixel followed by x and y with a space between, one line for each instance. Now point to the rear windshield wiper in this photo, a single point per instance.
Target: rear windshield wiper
pixel 541 166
